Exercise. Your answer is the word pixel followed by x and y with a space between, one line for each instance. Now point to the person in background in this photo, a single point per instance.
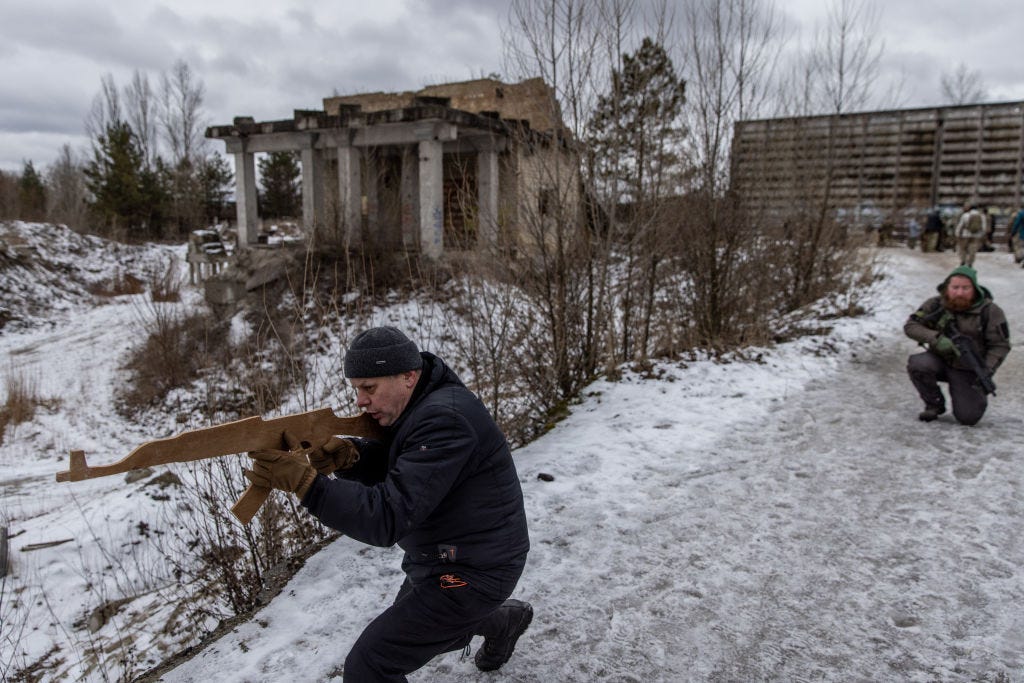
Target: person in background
pixel 932 230
pixel 442 485
pixel 1017 236
pixel 970 232
pixel 913 232
pixel 988 244
pixel 968 307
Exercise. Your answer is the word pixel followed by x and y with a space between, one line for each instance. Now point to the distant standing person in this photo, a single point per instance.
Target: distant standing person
pixel 913 232
pixel 442 485
pixel 989 243
pixel 970 232
pixel 932 230
pixel 969 308
pixel 1017 236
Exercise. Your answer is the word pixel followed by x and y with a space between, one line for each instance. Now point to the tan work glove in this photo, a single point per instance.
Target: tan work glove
pixel 334 454
pixel 283 470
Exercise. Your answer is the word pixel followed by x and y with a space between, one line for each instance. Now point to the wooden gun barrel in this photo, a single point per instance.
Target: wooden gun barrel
pixel 241 436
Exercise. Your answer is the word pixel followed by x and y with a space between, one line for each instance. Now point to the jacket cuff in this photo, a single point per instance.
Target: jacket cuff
pixel 307 482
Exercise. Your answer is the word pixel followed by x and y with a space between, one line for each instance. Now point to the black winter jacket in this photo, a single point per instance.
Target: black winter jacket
pixel 443 486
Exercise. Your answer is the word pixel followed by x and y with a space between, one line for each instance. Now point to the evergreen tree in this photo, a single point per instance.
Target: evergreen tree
pixel 8 195
pixel 31 194
pixel 114 177
pixel 636 132
pixel 635 144
pixel 215 178
pixel 186 201
pixel 279 182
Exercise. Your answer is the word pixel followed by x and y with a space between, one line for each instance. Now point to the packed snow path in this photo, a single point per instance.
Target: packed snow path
pixel 789 521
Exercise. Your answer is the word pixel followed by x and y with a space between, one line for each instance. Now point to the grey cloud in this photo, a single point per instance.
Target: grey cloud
pixel 24 108
pixel 84 30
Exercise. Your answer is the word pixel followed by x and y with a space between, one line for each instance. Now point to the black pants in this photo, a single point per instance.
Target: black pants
pixel 927 369
pixel 429 617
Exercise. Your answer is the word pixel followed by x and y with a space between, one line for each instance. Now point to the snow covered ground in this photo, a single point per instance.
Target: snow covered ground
pixel 785 518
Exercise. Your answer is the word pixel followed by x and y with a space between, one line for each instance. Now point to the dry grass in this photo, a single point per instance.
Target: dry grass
pixel 177 349
pixel 120 285
pixel 166 286
pixel 22 399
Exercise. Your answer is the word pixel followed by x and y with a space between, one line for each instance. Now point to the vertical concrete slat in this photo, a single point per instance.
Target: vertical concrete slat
pixel 431 197
pixel 246 209
pixel 1019 171
pixel 937 165
pixel 350 196
pixel 409 196
pixel 487 196
pixel 979 149
pixel 312 188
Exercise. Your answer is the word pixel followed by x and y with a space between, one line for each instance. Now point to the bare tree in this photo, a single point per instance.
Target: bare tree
pixel 836 76
pixel 846 56
pixel 963 86
pixel 66 199
pixel 731 50
pixel 105 110
pixel 140 106
pixel 559 40
pixel 723 258
pixel 181 121
pixel 181 100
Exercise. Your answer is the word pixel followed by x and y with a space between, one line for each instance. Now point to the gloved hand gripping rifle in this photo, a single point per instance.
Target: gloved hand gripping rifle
pixel 945 323
pixel 241 436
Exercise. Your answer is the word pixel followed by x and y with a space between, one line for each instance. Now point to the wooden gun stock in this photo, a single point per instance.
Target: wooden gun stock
pixel 241 436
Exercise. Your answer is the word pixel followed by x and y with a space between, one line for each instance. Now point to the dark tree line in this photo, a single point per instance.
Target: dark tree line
pixel 148 174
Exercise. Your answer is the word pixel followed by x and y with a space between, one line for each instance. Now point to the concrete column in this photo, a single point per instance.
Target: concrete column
pixel 350 196
pixel 431 198
pixel 312 188
pixel 487 196
pixel 409 196
pixel 246 208
pixel 371 188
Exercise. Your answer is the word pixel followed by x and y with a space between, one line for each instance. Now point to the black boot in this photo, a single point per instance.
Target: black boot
pixel 931 413
pixel 501 631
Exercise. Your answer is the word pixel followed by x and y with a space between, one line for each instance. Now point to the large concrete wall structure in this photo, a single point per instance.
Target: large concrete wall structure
pixel 891 163
pixel 530 100
pixel 425 170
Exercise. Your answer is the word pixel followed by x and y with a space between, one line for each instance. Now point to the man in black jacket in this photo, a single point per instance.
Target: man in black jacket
pixel 442 485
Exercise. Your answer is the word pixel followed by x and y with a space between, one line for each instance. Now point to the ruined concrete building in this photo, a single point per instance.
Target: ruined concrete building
pixel 440 168
pixel 884 163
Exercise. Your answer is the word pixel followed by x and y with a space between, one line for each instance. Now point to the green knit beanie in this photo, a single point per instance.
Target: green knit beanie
pixel 967 272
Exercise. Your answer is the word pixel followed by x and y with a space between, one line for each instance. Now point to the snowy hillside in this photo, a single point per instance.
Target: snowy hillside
pixel 784 517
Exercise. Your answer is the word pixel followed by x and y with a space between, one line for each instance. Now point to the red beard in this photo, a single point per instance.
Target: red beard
pixel 956 305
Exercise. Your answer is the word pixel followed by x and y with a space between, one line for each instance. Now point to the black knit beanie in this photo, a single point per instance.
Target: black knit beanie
pixel 381 352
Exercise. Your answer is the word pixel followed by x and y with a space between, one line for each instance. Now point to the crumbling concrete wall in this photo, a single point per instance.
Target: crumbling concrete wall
pixel 530 100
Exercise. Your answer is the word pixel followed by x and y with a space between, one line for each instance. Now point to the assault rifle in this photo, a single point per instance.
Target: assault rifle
pixel 969 355
pixel 250 434
pixel 945 323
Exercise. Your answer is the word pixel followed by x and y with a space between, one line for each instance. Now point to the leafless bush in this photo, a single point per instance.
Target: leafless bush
pixel 165 286
pixel 13 615
pixel 177 347
pixel 218 563
pixel 22 399
pixel 119 285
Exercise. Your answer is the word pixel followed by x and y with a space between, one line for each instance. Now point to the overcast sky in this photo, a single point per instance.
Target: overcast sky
pixel 265 59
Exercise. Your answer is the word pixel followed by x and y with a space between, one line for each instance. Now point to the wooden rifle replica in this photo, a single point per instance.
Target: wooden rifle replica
pixel 249 434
